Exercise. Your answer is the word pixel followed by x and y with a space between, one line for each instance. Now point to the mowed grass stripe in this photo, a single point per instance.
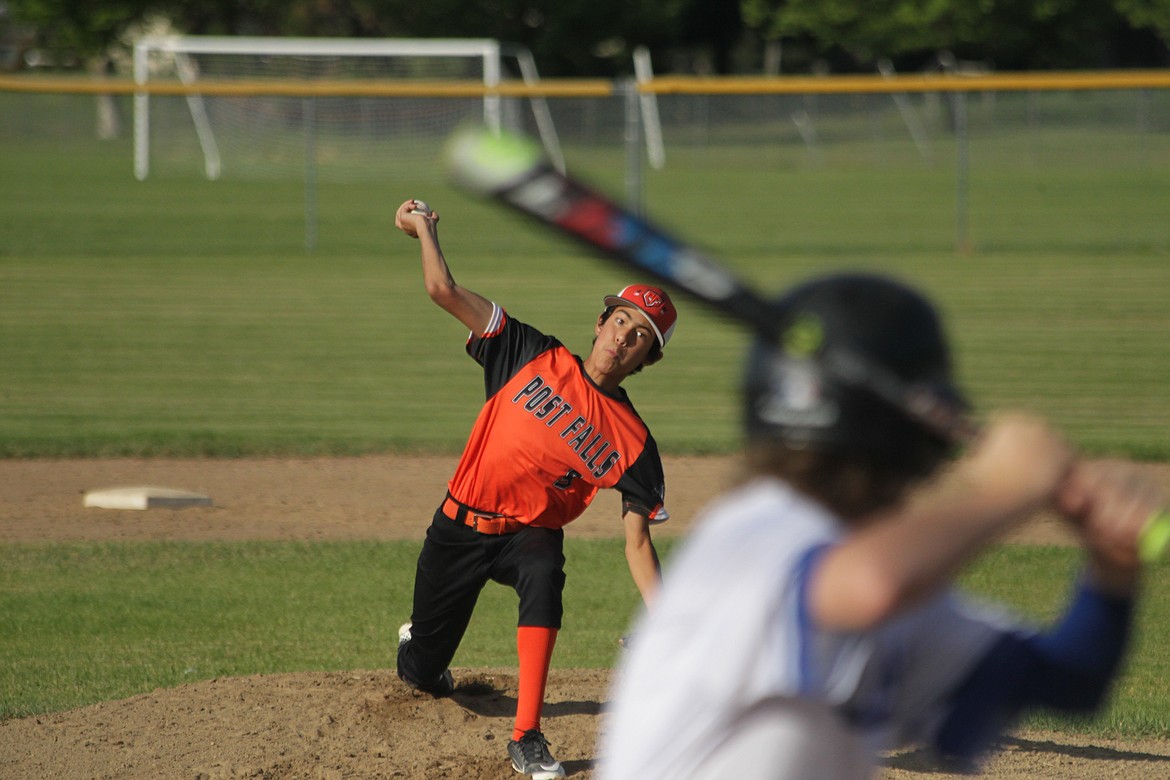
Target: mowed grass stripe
pixel 89 622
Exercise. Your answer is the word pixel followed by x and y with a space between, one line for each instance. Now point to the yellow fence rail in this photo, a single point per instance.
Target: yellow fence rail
pixel 664 85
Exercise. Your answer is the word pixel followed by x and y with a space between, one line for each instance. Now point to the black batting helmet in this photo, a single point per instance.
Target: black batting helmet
pixel 791 397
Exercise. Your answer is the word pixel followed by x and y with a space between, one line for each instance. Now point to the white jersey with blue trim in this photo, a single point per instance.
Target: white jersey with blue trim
pixel 727 677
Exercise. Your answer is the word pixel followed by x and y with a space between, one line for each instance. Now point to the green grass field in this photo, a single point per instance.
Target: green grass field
pixel 178 316
pixel 84 623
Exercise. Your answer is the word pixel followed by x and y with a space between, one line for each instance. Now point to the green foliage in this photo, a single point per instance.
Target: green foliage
pixel 79 30
pixel 868 30
pixel 1153 14
pixel 1018 35
pixel 581 39
pixel 566 38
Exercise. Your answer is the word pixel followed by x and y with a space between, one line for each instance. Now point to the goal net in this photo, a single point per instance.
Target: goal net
pixel 334 108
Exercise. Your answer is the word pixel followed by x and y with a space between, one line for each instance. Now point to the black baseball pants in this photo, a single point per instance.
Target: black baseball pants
pixel 455 564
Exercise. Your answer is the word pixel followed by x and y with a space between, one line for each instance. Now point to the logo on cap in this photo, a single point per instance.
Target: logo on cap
pixel 651 298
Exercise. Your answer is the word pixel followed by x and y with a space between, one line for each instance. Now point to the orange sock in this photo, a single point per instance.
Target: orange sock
pixel 534 645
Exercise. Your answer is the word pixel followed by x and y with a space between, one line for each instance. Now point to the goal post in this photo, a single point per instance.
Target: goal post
pixel 339 67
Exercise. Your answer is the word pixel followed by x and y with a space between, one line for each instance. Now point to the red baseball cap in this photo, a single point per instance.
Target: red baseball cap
pixel 654 303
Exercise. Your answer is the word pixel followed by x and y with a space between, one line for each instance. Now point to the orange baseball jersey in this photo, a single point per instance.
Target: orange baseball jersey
pixel 548 438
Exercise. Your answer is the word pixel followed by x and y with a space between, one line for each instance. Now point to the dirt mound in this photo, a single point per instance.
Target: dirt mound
pixel 366 724
pixel 360 724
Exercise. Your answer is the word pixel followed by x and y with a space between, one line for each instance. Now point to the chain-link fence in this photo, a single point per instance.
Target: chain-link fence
pixel 998 163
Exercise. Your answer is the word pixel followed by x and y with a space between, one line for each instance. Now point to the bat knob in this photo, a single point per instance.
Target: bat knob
pixel 1155 537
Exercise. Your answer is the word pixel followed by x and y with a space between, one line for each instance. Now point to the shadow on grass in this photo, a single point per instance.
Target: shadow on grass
pixel 926 762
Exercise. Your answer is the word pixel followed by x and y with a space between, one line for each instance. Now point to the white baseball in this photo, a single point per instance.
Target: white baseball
pixel 420 207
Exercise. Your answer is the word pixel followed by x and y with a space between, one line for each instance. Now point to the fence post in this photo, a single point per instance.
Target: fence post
pixel 962 173
pixel 309 112
pixel 628 88
pixel 141 114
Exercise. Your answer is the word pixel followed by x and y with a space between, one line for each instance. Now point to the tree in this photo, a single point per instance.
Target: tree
pixel 83 34
pixel 597 37
pixel 1014 34
pixel 566 37
pixel 1151 14
pixel 74 32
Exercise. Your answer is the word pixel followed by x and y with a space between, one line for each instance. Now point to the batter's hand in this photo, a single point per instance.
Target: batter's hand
pixel 411 223
pixel 1109 502
pixel 1020 460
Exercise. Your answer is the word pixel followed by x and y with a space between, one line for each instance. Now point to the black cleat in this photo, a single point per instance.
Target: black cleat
pixel 530 757
pixel 441 687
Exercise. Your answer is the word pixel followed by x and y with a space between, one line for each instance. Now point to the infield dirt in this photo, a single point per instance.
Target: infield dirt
pixel 364 723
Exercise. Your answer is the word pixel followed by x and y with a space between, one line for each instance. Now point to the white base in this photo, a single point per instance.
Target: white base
pixel 144 498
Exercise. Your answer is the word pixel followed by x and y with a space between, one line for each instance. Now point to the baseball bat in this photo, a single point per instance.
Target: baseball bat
pixel 513 170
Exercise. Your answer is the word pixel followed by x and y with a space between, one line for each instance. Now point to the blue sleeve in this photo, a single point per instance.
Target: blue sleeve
pixel 1068 668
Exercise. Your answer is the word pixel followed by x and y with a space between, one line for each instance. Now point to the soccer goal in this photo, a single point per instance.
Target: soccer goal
pixel 350 107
